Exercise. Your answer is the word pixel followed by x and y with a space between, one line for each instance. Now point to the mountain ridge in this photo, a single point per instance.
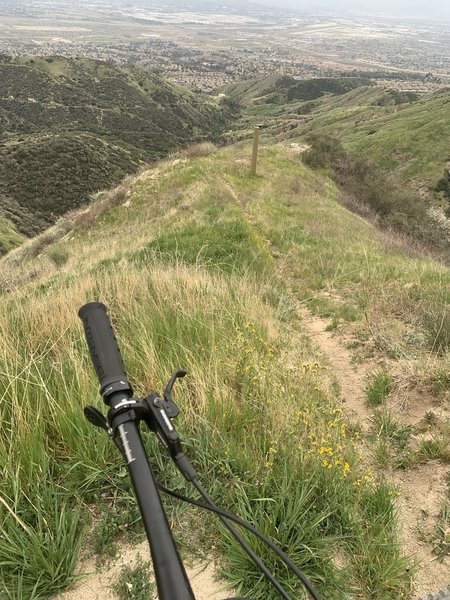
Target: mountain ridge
pixel 91 120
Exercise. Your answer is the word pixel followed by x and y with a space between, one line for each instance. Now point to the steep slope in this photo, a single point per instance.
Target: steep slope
pixel 71 127
pixel 212 269
pixel 409 138
pixel 9 238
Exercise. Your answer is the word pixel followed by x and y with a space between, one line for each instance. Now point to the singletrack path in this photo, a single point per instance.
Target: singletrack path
pixel 422 487
pixel 97 584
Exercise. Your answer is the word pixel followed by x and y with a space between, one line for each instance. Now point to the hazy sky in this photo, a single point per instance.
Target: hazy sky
pixel 435 9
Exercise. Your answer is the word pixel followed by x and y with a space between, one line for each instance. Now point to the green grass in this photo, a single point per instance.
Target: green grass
pixel 235 368
pixel 35 561
pixel 409 140
pixel 379 388
pixel 435 448
pixel 58 256
pixel 391 441
pixel 9 238
pixel 369 273
pixel 403 134
pixel 226 246
pixel 442 541
pixel 134 584
pixel 204 270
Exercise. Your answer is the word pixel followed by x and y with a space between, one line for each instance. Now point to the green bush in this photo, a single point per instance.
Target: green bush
pixel 134 584
pixel 59 256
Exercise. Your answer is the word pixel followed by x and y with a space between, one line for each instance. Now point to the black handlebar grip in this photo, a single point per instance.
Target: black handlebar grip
pixel 105 353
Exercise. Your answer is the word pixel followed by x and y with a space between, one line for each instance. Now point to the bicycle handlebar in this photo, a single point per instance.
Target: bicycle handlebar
pixel 104 351
pixel 122 424
pixel 170 574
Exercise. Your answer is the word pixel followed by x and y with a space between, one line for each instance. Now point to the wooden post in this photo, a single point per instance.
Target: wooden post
pixel 255 150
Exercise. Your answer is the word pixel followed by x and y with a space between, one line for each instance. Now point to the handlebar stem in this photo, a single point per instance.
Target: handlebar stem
pixel 171 578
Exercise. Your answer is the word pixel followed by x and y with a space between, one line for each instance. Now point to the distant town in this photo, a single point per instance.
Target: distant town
pixel 205 49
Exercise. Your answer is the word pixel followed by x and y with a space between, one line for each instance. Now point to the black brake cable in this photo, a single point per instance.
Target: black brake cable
pixel 226 515
pixel 276 584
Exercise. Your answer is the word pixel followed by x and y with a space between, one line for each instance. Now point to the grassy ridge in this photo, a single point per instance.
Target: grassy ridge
pixel 278 89
pixel 191 272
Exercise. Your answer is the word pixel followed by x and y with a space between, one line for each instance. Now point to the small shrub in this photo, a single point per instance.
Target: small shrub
pixel 102 202
pixel 59 256
pixel 441 380
pixel 35 247
pixel 435 322
pixel 441 545
pixel 323 151
pixel 333 325
pixel 123 520
pixel 385 427
pixel 382 454
pixel 196 150
pixel 379 388
pixel 435 448
pixel 368 188
pixel 134 584
pixel 116 196
pixel 443 185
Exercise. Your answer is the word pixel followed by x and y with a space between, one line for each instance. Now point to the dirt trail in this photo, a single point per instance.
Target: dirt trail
pixel 96 585
pixel 422 488
pixel 352 378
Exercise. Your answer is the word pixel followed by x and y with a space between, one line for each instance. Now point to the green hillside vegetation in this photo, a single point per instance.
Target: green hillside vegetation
pixel 70 127
pixel 62 170
pixel 405 134
pixel 279 89
pixel 409 139
pixel 9 238
pixel 370 191
pixel 205 268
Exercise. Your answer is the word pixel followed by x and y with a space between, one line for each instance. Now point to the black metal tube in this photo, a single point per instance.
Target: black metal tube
pixel 171 579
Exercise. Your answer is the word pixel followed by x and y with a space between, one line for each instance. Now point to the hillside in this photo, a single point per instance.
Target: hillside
pixel 9 238
pixel 279 89
pixel 69 128
pixel 316 405
pixel 406 134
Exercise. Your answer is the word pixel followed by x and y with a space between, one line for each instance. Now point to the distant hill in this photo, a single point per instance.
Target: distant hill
pixel 71 127
pixel 277 89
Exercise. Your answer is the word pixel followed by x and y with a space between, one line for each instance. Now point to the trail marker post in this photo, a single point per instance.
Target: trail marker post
pixel 255 150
